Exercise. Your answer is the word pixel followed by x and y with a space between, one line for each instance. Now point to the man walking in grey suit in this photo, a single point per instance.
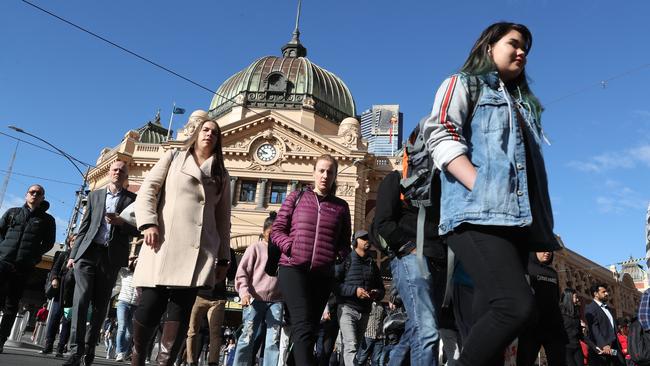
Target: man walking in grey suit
pixel 101 248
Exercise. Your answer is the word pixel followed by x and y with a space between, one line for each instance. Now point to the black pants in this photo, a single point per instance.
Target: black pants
pixel 327 334
pixel 176 303
pixel 12 285
pixel 533 339
pixel 603 360
pixel 64 335
pixel 305 294
pixel 94 281
pixel 574 356
pixel 503 302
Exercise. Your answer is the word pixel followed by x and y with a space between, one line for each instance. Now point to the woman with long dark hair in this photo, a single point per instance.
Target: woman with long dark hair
pixel 484 134
pixel 183 210
pixel 312 229
pixel 570 309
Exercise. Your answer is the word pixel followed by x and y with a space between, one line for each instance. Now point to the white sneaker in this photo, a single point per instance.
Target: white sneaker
pixel 119 357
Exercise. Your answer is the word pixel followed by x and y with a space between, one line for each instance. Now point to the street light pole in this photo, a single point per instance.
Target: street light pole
pixel 81 193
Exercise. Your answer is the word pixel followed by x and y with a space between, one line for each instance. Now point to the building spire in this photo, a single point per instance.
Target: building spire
pixel 294 48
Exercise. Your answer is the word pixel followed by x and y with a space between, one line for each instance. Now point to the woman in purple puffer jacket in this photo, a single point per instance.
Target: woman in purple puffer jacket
pixel 312 230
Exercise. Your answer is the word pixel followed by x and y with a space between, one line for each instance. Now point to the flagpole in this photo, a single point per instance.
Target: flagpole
pixel 171 119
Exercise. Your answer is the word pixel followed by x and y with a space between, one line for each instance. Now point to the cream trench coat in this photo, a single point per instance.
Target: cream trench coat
pixel 193 219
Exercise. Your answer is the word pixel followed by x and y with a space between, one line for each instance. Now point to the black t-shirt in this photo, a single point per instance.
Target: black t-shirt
pixel 540 233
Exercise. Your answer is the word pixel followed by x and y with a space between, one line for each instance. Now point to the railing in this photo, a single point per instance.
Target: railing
pixel 240 242
pixel 147 147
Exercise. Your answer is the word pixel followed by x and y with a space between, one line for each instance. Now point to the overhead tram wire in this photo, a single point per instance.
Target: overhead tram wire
pixel 36 177
pixel 46 149
pixel 603 83
pixel 143 58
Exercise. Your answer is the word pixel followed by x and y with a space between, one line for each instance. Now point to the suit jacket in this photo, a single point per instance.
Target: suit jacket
pixel 601 333
pixel 118 242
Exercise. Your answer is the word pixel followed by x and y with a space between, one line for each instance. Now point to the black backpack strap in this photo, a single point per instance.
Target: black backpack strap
pixel 451 266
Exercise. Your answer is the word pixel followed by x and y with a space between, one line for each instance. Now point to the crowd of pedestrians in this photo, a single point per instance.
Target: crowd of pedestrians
pixel 470 265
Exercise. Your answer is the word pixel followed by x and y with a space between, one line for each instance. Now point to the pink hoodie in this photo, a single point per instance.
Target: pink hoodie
pixel 251 278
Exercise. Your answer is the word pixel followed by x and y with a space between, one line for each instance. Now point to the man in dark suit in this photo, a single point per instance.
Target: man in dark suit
pixel 601 323
pixel 101 248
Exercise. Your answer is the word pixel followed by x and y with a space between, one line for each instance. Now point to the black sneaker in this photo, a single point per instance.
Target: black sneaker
pixel 88 359
pixel 58 354
pixel 46 351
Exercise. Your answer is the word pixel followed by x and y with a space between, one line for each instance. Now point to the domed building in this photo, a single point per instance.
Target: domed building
pixel 277 115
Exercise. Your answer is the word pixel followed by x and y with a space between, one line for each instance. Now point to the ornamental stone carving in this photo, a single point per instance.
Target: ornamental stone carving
pixel 196 117
pixel 346 190
pixel 350 132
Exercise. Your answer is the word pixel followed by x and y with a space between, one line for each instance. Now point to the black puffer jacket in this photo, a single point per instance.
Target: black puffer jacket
pixel 355 272
pixel 26 235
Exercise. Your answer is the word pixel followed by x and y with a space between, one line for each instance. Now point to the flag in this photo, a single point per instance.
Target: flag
pixel 393 121
pixel 178 110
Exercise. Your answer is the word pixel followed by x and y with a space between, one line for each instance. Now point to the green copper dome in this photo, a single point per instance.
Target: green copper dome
pixel 288 82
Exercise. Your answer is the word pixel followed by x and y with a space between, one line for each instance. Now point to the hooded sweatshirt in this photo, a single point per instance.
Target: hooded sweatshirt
pixel 251 279
pixel 544 281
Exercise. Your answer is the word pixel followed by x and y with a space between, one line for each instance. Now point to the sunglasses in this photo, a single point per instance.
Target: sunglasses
pixel 35 193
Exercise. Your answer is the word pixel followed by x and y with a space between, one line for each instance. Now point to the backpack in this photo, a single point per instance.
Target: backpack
pixel 418 173
pixel 638 344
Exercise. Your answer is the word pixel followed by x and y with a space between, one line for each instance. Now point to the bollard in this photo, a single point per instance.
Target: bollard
pixel 39 337
pixel 17 329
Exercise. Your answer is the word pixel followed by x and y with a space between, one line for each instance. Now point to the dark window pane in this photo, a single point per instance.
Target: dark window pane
pixel 278 192
pixel 247 192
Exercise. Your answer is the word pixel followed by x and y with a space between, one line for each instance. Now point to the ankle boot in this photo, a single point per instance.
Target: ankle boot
pixel 170 342
pixel 141 338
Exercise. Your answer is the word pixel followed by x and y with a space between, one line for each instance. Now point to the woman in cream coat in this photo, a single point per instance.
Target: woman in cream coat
pixel 183 209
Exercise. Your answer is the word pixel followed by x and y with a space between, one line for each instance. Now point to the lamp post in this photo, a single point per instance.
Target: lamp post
pixel 81 193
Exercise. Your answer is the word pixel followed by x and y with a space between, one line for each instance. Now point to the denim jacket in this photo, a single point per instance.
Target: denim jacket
pixel 491 137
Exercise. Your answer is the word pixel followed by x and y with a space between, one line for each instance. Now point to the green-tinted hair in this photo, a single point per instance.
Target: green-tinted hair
pixel 479 61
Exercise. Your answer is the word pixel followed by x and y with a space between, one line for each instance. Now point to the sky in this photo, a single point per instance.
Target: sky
pixel 589 65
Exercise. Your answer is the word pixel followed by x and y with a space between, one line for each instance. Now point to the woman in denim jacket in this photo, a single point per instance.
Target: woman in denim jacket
pixel 484 134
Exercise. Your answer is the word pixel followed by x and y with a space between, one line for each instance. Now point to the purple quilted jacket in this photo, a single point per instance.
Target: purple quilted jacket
pixel 313 234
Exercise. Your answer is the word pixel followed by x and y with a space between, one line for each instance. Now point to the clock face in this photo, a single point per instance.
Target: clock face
pixel 266 152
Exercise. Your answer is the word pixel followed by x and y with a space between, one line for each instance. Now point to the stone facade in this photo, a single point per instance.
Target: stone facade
pixel 579 273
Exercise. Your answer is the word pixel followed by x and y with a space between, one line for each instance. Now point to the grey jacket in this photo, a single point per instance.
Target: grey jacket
pixel 118 242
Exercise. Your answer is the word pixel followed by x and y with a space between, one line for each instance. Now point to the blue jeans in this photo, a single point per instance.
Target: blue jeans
pixel 396 354
pixel 124 325
pixel 373 349
pixel 253 316
pixel 416 290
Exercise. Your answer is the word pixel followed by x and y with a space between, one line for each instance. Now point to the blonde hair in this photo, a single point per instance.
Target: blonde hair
pixel 330 158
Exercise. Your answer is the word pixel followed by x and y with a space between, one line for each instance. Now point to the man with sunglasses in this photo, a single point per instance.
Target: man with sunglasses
pixel 26 233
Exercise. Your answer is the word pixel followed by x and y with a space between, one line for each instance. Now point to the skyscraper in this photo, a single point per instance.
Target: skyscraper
pixel 381 126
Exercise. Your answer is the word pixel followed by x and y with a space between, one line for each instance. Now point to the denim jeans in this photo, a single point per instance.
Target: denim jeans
pixel 416 290
pixel 396 354
pixel 253 316
pixel 56 313
pixel 371 348
pixel 124 325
